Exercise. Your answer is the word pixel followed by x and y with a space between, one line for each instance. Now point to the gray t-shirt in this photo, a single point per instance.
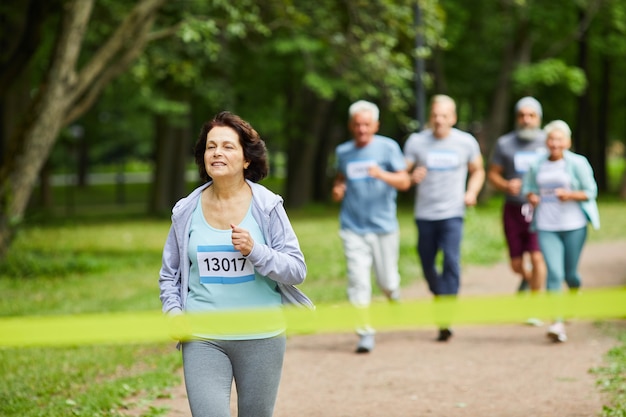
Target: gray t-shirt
pixel 441 194
pixel 515 155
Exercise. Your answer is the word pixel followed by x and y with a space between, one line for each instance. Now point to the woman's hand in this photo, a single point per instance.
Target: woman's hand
pixel 564 194
pixel 179 327
pixel 533 199
pixel 242 241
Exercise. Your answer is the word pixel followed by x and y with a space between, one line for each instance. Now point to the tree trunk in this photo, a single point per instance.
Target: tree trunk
pixel 304 144
pixel 516 52
pixel 583 131
pixel 163 168
pixel 172 149
pixel 182 152
pixel 31 143
pixel 601 144
pixel 333 133
pixel 439 74
pixel 63 96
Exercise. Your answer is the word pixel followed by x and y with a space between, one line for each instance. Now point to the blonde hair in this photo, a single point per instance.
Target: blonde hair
pixel 559 125
pixel 442 98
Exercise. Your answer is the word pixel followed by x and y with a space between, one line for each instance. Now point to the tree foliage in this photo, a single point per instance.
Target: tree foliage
pixel 140 79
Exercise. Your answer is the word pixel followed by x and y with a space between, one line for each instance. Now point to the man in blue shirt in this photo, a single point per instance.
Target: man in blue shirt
pixel 370 170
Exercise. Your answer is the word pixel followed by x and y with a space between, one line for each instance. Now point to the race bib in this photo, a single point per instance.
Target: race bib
pixel 222 264
pixel 358 170
pixel 442 160
pixel 548 192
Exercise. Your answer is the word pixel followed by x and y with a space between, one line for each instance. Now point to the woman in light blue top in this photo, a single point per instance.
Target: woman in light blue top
pixel 563 191
pixel 231 247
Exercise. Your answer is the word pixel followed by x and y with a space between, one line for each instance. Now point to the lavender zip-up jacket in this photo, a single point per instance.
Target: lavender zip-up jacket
pixel 280 258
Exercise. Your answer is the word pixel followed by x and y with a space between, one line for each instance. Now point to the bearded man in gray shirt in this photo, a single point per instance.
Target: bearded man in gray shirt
pixel 510 159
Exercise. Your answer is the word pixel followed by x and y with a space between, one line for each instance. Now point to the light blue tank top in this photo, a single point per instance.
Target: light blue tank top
pixel 221 278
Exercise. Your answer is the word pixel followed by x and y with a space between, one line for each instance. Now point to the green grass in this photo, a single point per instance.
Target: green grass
pixel 611 378
pixel 64 269
pixel 82 381
pixel 92 262
pixel 75 267
pixel 615 169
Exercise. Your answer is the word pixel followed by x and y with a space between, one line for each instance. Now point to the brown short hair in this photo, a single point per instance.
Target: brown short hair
pixel 254 150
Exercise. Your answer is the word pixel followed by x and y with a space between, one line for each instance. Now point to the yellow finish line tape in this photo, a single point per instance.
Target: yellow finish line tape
pixel 152 326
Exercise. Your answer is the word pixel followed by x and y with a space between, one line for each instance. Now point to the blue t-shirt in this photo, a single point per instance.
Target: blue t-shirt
pixel 221 278
pixel 369 204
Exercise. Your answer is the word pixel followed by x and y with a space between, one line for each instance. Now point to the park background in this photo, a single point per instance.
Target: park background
pixel 101 102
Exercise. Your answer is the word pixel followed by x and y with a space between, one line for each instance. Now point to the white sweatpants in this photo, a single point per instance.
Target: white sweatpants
pixel 366 252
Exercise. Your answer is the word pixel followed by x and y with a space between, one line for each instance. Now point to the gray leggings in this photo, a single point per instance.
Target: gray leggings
pixel 256 366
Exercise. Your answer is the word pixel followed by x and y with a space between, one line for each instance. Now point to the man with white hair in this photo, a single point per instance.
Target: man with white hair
pixel 510 159
pixel 370 170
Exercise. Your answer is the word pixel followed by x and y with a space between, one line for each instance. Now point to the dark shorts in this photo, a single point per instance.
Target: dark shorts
pixel 519 238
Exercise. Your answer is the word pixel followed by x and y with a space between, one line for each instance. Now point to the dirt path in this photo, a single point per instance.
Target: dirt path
pixel 504 371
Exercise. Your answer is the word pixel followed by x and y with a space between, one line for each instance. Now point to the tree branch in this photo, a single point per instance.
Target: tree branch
pixel 576 34
pixel 82 103
pixel 115 67
pixel 163 33
pixel 135 25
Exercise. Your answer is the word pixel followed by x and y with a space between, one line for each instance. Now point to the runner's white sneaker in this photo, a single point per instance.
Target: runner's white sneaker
pixel 366 343
pixel 533 321
pixel 556 332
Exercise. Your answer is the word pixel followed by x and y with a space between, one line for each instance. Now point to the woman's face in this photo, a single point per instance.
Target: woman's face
pixel 557 142
pixel 223 155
